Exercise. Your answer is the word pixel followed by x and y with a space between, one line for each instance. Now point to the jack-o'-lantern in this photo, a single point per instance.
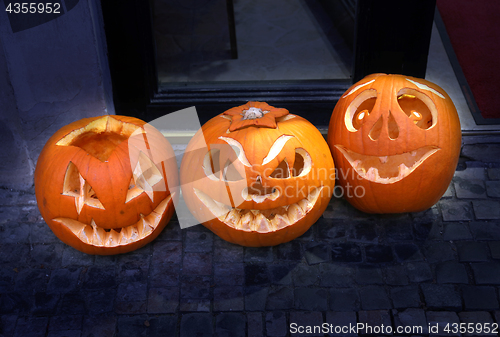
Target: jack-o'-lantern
pixel 263 177
pixel 396 141
pixel 101 184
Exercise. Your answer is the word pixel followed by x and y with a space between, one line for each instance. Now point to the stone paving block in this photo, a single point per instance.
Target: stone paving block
pixel 442 297
pixel 471 173
pixel 41 233
pixel 311 321
pixel 31 326
pixel 259 254
pixel 289 251
pixel 454 231
pixel 419 272
pixel 229 273
pixel 374 298
pixel 101 325
pixel 493 189
pixel 346 252
pixel 72 257
pixel 196 324
pixel 344 299
pixel 64 280
pixel 336 275
pixel 311 299
pixel 395 230
pixel 412 321
pixel 14 232
pixel 435 252
pixel 194 304
pixel 8 324
pixel 451 272
pixel 71 304
pixel 254 323
pixel 276 324
pixel 171 232
pixel 485 230
pixel 406 252
pixel 14 255
pixel 256 298
pixel 198 241
pixel 131 298
pixel 163 300
pixel 489 153
pixel 493 173
pixel 472 251
pixel 281 273
pixel 316 252
pixel 469 188
pixel 486 272
pixel 20 303
pixel 449 193
pixel 480 297
pixel 486 209
pixel 366 274
pixel 456 210
pixel 365 232
pixel 280 298
pixel 227 252
pixel 132 325
pixel 33 279
pixel 47 256
pixel 477 317
pixel 65 322
pixel 195 287
pixel 373 319
pixel 495 249
pixel 438 320
pixel 165 274
pixel 230 325
pixel 44 304
pixel 98 278
pixel 256 274
pixel 395 275
pixel 305 275
pixel 166 252
pixel 405 297
pixel 333 230
pixel 340 322
pixel 378 254
pixel 340 209
pixel 162 325
pixel 99 301
pixel 197 264
pixel 228 298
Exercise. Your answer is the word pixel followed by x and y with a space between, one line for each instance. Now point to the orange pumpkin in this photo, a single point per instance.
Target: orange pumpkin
pixel 263 178
pixel 101 184
pixel 396 141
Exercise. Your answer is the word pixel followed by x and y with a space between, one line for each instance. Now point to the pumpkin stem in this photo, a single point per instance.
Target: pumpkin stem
pixel 253 113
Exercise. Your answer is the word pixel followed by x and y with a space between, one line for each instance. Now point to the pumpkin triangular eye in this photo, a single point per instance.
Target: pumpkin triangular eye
pixel 282 171
pixel 145 176
pixel 76 186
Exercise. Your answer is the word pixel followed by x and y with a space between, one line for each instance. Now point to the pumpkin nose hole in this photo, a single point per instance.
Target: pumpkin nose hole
pixel 392 127
pixel 376 129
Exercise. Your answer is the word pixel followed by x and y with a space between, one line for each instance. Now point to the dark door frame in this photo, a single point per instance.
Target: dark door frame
pixel 391 36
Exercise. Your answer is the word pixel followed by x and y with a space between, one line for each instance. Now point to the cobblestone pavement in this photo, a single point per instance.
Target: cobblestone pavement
pixel 421 269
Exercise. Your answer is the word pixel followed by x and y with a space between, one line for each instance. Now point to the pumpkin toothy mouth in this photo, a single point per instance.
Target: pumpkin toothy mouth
pixel 262 221
pixel 387 169
pixel 100 237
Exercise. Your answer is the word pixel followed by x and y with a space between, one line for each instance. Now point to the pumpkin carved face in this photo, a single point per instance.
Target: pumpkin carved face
pixel 397 139
pixel 264 178
pixel 101 184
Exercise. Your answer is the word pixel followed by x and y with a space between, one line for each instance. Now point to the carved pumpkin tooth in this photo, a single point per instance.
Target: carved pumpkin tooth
pixel 233 217
pixel 356 163
pixel 372 174
pixel 314 194
pixel 245 222
pixel 259 198
pixel 261 223
pixel 112 238
pixel 383 160
pixel 403 171
pixel 275 195
pixel 280 221
pixel 305 205
pixel 295 213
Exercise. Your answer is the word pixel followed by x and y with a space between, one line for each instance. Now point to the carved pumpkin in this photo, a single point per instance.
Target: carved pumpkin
pixel 101 184
pixel 396 141
pixel 264 179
